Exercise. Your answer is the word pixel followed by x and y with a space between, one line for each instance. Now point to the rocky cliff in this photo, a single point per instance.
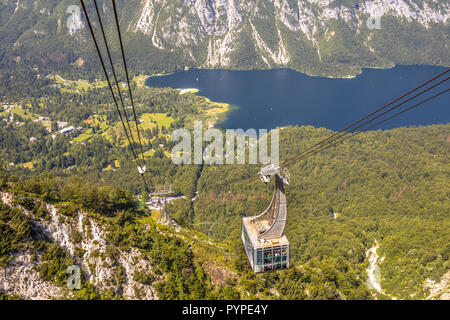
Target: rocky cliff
pixel 83 239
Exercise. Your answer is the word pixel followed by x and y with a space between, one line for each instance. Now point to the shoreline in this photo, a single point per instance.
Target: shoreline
pixel 219 110
pixel 188 90
pixel 352 76
pixel 225 115
pixel 228 107
pixel 310 74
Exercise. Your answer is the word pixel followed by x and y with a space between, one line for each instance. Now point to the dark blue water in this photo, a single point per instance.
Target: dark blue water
pixel 267 99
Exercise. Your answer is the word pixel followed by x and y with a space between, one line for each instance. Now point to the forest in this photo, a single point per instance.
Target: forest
pixel 389 186
pixel 386 186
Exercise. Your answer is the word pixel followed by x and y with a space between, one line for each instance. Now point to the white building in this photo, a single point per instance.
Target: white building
pixel 67 130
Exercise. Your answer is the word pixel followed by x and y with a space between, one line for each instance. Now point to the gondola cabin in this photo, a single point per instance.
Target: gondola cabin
pixel 265 243
pixel 264 255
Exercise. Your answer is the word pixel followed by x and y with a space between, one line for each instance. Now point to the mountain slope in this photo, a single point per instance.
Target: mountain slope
pixel 319 37
pixel 81 238
pixel 386 187
pixel 389 187
pixel 122 254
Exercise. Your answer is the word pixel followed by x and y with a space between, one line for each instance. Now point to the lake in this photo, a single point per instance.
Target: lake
pixel 281 97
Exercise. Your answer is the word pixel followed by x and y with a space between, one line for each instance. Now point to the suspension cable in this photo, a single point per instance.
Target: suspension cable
pixel 142 165
pixel 351 133
pixel 343 132
pixel 109 82
pixel 127 76
pixel 374 125
pixel 367 116
pixel 113 69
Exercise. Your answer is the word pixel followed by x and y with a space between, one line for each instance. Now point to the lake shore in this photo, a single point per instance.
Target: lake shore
pixel 282 97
